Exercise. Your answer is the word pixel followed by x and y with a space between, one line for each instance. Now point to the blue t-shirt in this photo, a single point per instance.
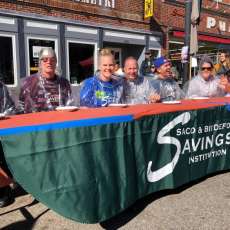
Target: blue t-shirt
pixel 98 93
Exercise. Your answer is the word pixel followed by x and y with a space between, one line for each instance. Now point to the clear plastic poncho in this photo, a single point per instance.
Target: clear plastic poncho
pixel 98 93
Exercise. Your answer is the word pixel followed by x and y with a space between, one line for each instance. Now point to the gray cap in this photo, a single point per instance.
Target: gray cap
pixel 47 52
pixel 206 59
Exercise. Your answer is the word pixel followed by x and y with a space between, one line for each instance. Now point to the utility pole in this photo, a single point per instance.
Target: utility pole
pixel 186 65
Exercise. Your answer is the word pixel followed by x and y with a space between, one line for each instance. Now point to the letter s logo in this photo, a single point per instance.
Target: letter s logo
pixel 157 175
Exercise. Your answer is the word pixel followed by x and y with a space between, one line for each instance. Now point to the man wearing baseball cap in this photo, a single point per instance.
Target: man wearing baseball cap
pixel 164 84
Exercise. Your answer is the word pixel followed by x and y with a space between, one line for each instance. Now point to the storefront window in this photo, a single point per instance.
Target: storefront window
pixel 175 57
pixel 35 45
pixel 81 61
pixel 6 60
pixel 117 55
pixel 154 53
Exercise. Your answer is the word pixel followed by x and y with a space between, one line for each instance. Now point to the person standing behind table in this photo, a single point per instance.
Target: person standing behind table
pixel 152 73
pixel 45 90
pixel 137 89
pixel 164 83
pixel 205 84
pixel 224 63
pixel 103 88
pixel 145 68
pixel 118 70
pixel 6 107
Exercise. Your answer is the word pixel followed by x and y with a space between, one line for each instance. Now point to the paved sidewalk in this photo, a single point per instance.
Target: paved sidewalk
pixel 202 205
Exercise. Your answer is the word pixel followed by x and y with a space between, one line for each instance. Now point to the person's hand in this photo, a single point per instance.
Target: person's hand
pixel 224 84
pixel 153 98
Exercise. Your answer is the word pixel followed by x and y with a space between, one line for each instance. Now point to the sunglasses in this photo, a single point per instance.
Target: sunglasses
pixel 48 59
pixel 206 68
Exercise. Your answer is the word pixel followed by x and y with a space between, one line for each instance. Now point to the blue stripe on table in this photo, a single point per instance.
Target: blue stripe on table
pixel 66 124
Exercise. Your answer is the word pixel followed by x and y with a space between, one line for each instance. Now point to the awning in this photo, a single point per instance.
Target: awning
pixel 204 38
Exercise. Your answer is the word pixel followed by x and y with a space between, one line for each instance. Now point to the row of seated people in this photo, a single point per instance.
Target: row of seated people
pixel 46 90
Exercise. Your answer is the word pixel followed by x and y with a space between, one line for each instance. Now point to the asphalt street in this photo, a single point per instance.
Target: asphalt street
pixel 204 204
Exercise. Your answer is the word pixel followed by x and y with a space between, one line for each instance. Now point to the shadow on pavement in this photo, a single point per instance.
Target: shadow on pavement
pixel 18 190
pixel 13 210
pixel 26 224
pixel 132 211
pixel 29 221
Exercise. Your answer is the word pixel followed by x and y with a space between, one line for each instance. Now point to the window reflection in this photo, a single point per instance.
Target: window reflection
pixel 81 61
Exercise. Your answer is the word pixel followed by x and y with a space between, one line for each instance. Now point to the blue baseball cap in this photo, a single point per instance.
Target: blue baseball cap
pixel 160 61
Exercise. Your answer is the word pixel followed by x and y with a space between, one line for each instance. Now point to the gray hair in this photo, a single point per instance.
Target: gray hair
pixel 48 52
pixel 205 59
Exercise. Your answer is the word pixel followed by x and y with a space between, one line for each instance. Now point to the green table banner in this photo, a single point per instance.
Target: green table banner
pixel 92 173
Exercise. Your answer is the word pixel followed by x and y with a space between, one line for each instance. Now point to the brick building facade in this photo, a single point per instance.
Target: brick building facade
pixel 76 29
pixel 213 30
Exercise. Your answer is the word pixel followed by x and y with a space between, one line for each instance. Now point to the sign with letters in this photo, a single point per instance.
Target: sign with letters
pixel 148 11
pixel 90 173
pixel 220 24
pixel 102 3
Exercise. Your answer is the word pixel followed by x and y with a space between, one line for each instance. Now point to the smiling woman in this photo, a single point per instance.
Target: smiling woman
pixel 103 88
pixel 205 84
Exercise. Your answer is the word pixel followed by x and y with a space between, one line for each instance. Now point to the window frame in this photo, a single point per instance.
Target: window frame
pixel 14 55
pixel 76 41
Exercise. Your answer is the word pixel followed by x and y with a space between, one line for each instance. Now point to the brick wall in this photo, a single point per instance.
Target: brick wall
pixel 173 15
pixel 127 13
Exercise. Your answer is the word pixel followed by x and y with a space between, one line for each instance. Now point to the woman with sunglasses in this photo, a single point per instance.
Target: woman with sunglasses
pixel 205 84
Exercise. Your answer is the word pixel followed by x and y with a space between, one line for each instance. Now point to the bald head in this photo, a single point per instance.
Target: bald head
pixel 131 68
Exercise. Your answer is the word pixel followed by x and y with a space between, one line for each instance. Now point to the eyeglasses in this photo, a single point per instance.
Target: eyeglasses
pixel 206 68
pixel 48 59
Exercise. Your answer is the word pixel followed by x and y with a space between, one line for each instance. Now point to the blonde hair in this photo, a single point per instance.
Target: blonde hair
pixel 106 52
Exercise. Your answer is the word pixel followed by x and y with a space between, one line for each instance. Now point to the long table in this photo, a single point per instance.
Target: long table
pixel 91 164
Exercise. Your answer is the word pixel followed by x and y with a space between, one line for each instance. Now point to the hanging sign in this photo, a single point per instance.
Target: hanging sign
pixel 148 8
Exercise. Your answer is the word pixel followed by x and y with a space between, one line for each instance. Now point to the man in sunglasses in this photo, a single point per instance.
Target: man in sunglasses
pixel 205 84
pixel 45 90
